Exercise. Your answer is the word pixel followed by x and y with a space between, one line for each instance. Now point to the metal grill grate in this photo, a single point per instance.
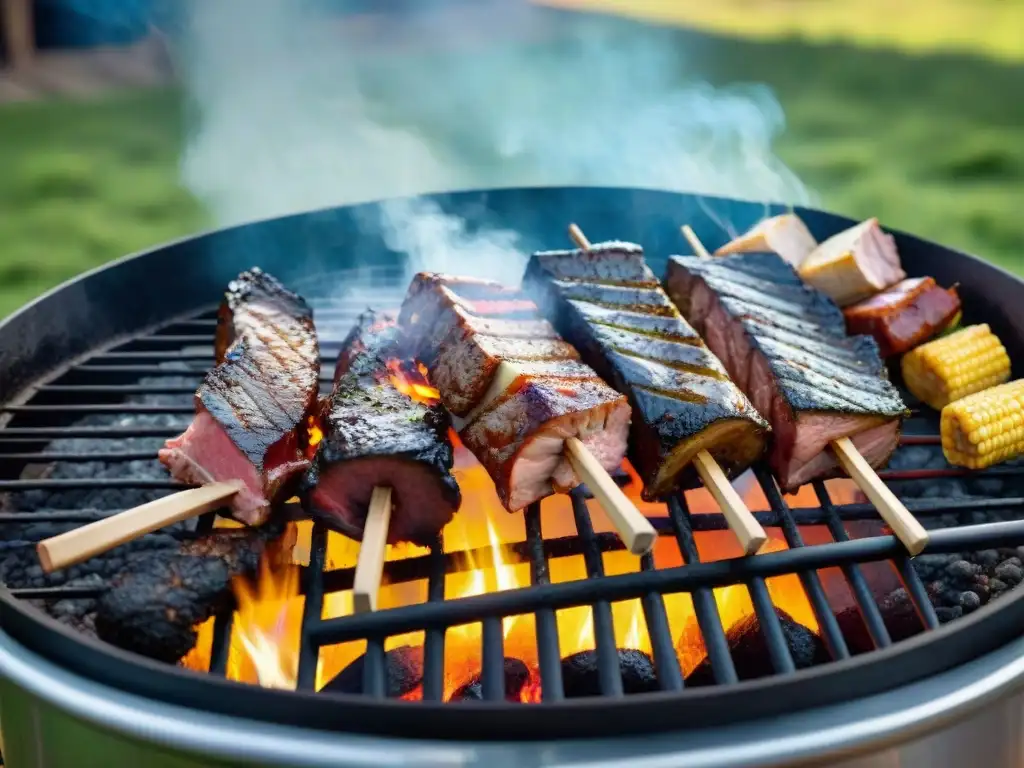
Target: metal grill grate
pixel 99 384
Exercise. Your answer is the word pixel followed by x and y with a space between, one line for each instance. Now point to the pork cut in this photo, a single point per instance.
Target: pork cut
pixel 784 344
pixel 253 407
pixel 608 303
pixel 904 316
pixel 374 435
pixel 518 389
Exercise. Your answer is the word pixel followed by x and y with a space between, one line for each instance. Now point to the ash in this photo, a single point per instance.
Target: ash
pixel 19 565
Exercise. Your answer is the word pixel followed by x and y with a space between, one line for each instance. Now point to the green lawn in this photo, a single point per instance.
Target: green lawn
pixel 932 143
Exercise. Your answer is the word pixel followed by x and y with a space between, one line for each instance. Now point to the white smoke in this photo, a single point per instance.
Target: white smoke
pixel 292 112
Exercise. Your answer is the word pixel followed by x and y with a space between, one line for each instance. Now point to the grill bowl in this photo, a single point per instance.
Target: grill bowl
pixel 110 305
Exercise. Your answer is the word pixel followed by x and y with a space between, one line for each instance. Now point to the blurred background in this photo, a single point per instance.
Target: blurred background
pixel 125 123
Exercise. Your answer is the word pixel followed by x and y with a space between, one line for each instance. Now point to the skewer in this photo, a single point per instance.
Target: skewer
pixel 744 526
pixel 80 544
pixel 904 525
pixel 633 528
pixel 370 563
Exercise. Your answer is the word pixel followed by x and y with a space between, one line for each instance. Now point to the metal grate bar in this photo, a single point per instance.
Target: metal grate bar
pixel 827 623
pixel 771 627
pixel 205 357
pixel 666 662
pixel 375 669
pixel 492 661
pixel 433 642
pixel 917 592
pixel 312 609
pixel 77 458
pixel 220 648
pixel 627 586
pixel 895 475
pixel 22 434
pixel 869 610
pixel 118 408
pixel 704 607
pixel 608 672
pixel 548 653
pixel 92 483
pixel 124 389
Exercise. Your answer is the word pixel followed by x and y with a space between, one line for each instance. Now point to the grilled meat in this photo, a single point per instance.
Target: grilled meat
pixel 155 605
pixel 520 390
pixel 908 314
pixel 374 435
pixel 785 235
pixel 251 409
pixel 608 303
pixel 783 343
pixel 854 263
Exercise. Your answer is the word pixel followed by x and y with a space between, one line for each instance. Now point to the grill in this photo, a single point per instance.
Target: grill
pixel 86 352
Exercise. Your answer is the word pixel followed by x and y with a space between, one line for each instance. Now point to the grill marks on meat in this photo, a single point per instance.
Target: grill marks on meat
pixel 252 407
pixel 155 605
pixel 520 389
pixel 609 304
pixel 783 343
pixel 904 316
pixel 375 435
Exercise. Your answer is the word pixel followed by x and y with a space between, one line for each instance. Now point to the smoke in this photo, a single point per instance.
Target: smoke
pixel 295 106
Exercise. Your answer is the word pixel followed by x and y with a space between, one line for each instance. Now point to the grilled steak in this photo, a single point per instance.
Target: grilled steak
pixel 374 435
pixel 906 315
pixel 608 303
pixel 251 409
pixel 155 605
pixel 520 390
pixel 784 344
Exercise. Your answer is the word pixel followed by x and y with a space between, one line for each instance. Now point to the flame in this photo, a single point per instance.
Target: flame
pixel 314 433
pixel 412 383
pixel 266 628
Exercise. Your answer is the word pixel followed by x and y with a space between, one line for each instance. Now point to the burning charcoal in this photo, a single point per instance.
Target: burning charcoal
pixel 404 666
pixel 154 606
pixel 517 674
pixel 749 649
pixel 580 676
pixel 898 614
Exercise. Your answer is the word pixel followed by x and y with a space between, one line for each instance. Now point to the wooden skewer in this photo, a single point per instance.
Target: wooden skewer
pixel 904 525
pixel 75 546
pixel 634 529
pixel 370 563
pixel 744 526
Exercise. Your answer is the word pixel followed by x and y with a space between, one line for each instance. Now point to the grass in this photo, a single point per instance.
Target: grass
pixel 932 143
pixel 84 183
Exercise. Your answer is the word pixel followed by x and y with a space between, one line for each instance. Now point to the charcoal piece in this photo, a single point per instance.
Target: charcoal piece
pixel 898 614
pixel 404 672
pixel 749 650
pixel 517 675
pixel 153 607
pixel 580 676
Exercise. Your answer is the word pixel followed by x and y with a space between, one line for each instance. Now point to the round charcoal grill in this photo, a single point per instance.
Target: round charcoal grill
pixel 114 355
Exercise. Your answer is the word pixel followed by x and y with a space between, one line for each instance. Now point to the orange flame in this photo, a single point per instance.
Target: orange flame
pixel 266 629
pixel 412 383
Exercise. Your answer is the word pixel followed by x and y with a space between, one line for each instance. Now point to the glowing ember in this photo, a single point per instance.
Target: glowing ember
pixel 266 629
pixel 412 383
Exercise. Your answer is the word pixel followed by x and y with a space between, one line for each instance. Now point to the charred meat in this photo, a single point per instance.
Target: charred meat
pixel 374 435
pixel 252 408
pixel 908 314
pixel 784 344
pixel 155 605
pixel 608 303
pixel 518 388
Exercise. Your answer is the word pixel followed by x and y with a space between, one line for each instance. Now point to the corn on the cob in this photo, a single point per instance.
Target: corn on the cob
pixel 955 366
pixel 984 428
